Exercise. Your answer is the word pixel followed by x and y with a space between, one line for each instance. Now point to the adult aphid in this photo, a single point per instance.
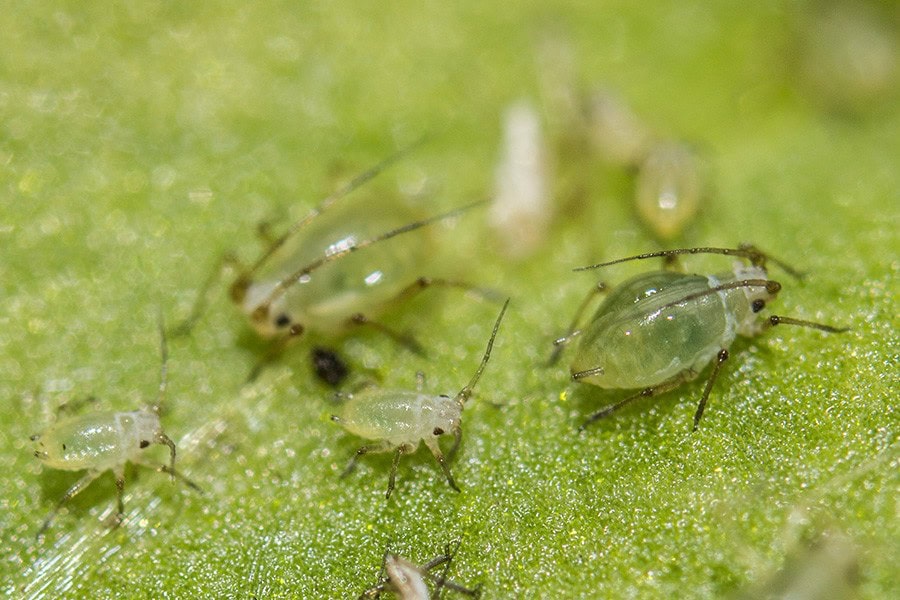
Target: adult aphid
pixel 658 330
pixel 399 419
pixel 320 282
pixel 107 441
pixel 409 581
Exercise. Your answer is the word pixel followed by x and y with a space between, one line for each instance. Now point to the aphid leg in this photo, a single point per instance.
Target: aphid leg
pixel 383 446
pixel 73 406
pixel 169 471
pixel 573 331
pixel 649 392
pixel 392 478
pixel 70 493
pixel 420 381
pixel 432 444
pixel 423 283
pixel 457 438
pixel 119 472
pixel 200 303
pixel 777 320
pixel 272 353
pixel 720 359
pixel 164 440
pixel 403 339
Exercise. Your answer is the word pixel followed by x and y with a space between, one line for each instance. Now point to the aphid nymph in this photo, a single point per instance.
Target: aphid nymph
pixel 106 441
pixel 319 281
pixel 409 581
pixel 658 330
pixel 399 419
pixel 668 188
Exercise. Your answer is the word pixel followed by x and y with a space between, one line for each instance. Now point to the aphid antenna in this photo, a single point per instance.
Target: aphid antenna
pixel 465 393
pixel 756 257
pixel 164 366
pixel 339 194
pixel 779 320
pixel 333 255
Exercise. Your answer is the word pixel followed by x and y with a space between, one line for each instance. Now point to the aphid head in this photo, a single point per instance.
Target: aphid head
pixel 49 449
pixel 267 315
pixel 39 451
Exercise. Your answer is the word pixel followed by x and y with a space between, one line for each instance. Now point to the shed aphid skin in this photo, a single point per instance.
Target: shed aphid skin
pixel 399 419
pixel 320 282
pixel 521 210
pixel 104 441
pixel 409 581
pixel 658 330
pixel 668 189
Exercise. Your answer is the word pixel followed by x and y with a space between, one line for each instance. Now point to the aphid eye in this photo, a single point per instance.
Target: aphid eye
pixel 144 443
pixel 438 431
pixel 282 320
pixel 758 305
pixel 64 446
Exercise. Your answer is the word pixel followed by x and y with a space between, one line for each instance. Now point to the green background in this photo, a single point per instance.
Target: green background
pixel 138 142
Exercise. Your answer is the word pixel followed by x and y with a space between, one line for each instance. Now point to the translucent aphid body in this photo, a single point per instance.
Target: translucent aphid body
pixel 106 441
pixel 409 581
pixel 668 188
pixel 398 420
pixel 325 299
pixel 660 329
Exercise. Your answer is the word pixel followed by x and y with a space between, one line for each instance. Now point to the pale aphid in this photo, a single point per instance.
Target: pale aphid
pixel 658 330
pixel 668 188
pixel 319 281
pixel 409 581
pixel 521 210
pixel 104 441
pixel 399 419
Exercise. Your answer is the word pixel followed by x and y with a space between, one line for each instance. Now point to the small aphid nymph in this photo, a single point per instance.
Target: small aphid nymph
pixel 409 581
pixel 106 441
pixel 658 330
pixel 399 419
pixel 668 188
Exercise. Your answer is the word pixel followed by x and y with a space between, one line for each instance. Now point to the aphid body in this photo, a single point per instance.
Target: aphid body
pixel 644 333
pixel 100 441
pixel 668 188
pixel 409 581
pixel 400 419
pixel 660 329
pixel 106 441
pixel 325 298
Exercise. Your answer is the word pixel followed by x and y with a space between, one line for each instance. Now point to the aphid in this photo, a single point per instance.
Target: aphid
pixel 106 441
pixel 660 329
pixel 319 281
pixel 328 366
pixel 410 581
pixel 521 211
pixel 668 188
pixel 616 133
pixel 399 419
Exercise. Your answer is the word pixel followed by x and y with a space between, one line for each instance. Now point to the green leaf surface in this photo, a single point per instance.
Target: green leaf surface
pixel 140 142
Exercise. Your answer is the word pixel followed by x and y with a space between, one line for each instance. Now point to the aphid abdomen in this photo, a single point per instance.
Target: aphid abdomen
pixel 89 442
pixel 391 415
pixel 640 338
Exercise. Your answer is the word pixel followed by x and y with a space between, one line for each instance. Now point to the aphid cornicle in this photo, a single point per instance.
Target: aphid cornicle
pixel 399 419
pixel 319 281
pixel 660 329
pixel 106 441
pixel 409 581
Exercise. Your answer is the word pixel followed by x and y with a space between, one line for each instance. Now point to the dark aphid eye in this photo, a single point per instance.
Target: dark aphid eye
pixel 758 305
pixel 438 431
pixel 282 320
pixel 144 443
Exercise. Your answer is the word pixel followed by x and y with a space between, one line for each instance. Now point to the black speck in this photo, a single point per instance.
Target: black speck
pixel 144 443
pixel 282 320
pixel 758 305
pixel 64 446
pixel 438 431
pixel 328 366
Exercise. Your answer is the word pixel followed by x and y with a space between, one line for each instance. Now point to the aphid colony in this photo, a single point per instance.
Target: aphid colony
pixel 652 333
